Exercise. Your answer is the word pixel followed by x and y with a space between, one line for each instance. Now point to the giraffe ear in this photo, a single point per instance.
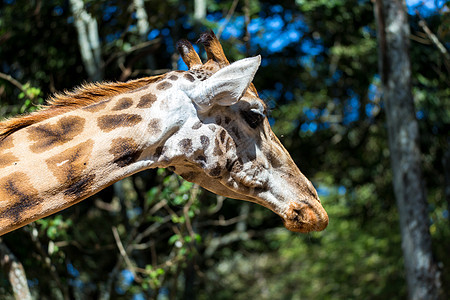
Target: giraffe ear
pixel 226 86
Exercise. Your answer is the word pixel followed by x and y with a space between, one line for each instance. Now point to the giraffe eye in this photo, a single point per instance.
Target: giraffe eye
pixel 253 117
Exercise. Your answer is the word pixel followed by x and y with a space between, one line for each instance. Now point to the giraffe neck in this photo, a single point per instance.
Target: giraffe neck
pixel 58 162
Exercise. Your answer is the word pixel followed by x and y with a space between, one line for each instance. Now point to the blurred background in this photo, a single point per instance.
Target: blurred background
pixel 156 236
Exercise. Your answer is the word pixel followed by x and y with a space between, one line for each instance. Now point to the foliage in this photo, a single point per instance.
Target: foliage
pixel 319 78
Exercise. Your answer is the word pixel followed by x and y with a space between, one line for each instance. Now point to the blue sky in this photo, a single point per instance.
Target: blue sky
pixel 281 31
pixel 425 7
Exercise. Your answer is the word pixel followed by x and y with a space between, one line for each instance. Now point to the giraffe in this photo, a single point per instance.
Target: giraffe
pixel 207 124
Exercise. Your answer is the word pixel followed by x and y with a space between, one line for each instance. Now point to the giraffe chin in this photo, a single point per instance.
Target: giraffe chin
pixel 304 217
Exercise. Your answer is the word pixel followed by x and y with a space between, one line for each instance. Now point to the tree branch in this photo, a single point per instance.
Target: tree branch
pixel 434 39
pixel 16 273
pixel 13 81
pixel 194 192
pixel 124 254
pixel 227 19
pixel 47 261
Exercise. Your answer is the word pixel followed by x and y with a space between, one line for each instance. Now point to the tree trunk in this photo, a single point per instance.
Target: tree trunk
pixel 393 37
pixel 15 272
pixel 88 40
pixel 199 10
pixel 143 29
pixel 142 19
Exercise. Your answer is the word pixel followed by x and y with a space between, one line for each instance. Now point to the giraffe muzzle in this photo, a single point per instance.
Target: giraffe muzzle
pixel 305 216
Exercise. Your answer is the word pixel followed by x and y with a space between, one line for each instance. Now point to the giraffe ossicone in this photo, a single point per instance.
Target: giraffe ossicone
pixel 207 124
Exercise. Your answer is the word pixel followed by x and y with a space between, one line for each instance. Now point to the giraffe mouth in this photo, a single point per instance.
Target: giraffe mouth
pixel 305 216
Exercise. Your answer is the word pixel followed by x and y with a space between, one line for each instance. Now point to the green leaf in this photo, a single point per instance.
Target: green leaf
pixel 173 239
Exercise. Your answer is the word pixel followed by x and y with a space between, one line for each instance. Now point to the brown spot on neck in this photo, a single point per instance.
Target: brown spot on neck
pixel 81 188
pixel 47 136
pixel 125 150
pixel 164 85
pixel 189 77
pixel 70 169
pixel 147 100
pixel 123 103
pixel 110 122
pixel 6 143
pixel 7 160
pixel 18 199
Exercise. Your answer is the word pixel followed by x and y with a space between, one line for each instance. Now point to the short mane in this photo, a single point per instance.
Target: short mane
pixel 85 95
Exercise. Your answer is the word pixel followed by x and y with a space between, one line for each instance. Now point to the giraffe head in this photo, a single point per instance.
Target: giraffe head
pixel 225 143
pixel 207 124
